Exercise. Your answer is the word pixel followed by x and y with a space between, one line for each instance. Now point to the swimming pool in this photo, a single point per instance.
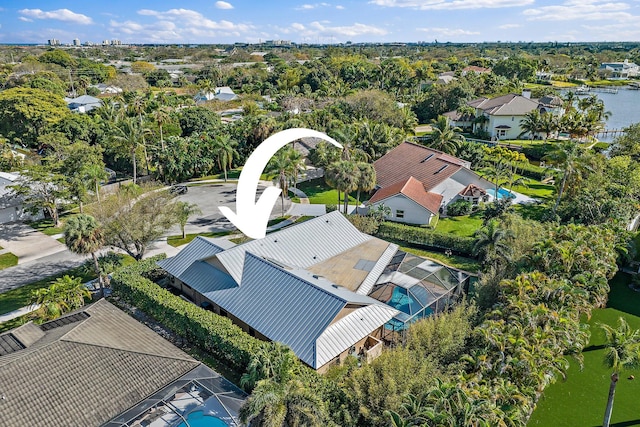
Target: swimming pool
pixel 502 193
pixel 199 419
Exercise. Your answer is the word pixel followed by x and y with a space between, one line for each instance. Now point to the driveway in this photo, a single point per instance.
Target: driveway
pixel 27 243
pixel 208 197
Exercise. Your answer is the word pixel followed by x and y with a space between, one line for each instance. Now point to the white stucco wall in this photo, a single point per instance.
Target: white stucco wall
pixel 513 121
pixel 413 212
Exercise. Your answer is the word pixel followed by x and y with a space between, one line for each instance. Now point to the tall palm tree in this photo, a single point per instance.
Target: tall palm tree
pixel 444 137
pixel 161 116
pixel 225 152
pixel 343 176
pixel 366 178
pixel 567 156
pixel 129 134
pixel 622 346
pixel 96 173
pixel 83 236
pixel 280 165
pixel 491 243
pixel 183 211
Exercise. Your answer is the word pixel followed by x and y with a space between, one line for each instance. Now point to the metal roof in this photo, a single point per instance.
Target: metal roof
pixel 281 306
pixel 377 270
pixel 349 330
pixel 203 277
pixel 301 246
pixel 199 248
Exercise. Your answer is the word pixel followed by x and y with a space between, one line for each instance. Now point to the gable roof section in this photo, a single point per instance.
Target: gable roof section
pixel 505 105
pixel 43 384
pixel 413 160
pixel 199 248
pixel 473 190
pixel 289 248
pixel 412 189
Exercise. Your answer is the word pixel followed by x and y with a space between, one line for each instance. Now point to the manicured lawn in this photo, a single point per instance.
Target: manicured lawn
pixel 532 211
pixel 319 192
pixel 8 260
pixel 464 226
pixel 46 226
pixel 176 241
pixel 535 189
pixel 462 263
pixel 582 398
pixel 20 297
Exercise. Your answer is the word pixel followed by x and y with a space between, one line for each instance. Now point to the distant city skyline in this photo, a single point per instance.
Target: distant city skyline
pixel 211 22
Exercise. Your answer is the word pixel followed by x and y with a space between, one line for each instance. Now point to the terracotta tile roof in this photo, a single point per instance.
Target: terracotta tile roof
pixel 85 373
pixel 429 166
pixel 473 190
pixel 414 190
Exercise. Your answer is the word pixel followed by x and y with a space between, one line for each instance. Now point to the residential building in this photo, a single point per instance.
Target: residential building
pixel 223 93
pixel 306 286
pixel 83 104
pixel 100 367
pixel 11 208
pixel 417 182
pixel 620 70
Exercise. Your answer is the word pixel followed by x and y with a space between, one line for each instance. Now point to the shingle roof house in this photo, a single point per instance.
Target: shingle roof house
pixel 88 368
pixel 443 177
pixel 305 286
pixel 83 104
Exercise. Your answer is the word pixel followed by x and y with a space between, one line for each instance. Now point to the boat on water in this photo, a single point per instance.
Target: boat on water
pixel 634 85
pixel 582 90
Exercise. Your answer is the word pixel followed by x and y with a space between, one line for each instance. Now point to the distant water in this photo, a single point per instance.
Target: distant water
pixel 624 107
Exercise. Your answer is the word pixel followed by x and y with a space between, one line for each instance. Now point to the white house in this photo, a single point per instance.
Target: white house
pixel 223 93
pixel 621 70
pixel 444 179
pixel 83 104
pixel 10 204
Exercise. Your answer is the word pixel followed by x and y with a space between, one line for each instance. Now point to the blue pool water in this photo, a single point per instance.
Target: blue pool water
pixel 502 193
pixel 199 419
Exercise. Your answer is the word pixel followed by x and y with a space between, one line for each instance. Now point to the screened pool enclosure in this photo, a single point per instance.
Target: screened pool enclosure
pixel 417 288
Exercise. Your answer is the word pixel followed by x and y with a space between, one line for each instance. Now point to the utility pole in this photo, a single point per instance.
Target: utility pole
pixel 73 90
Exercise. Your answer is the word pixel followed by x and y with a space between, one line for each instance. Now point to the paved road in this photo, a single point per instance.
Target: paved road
pixel 21 274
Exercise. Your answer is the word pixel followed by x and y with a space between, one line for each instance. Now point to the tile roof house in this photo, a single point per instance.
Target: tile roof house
pixel 443 178
pixel 100 367
pixel 305 286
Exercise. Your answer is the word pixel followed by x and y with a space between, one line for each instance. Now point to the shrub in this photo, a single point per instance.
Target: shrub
pixel 426 237
pixel 532 171
pixel 459 207
pixel 365 224
pixel 538 151
pixel 495 209
pixel 207 330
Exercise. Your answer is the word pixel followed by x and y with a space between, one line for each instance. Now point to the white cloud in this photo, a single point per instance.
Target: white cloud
pixel 308 6
pixel 449 32
pixel 509 26
pixel 340 7
pixel 60 14
pixel 179 25
pixel 588 10
pixel 451 4
pixel 297 26
pixel 353 30
pixel 224 5
pixel 25 19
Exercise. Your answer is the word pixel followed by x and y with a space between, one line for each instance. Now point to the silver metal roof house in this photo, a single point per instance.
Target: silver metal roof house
pixel 306 286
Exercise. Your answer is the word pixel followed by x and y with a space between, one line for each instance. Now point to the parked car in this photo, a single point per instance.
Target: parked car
pixel 178 189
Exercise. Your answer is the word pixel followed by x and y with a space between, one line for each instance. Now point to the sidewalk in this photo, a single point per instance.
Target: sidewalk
pixel 19 312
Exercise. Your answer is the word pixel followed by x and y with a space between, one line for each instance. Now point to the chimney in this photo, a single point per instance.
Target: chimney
pixel 526 93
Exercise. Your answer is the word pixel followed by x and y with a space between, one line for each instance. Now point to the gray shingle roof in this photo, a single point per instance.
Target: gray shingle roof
pixel 505 105
pixel 85 373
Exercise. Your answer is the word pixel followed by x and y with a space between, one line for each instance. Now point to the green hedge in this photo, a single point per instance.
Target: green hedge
pixel 532 171
pixel 426 237
pixel 207 330
pixel 538 151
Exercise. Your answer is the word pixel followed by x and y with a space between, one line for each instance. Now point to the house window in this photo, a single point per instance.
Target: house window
pixel 399 214
pixel 502 132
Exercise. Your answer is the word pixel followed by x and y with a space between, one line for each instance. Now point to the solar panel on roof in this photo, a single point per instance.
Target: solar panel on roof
pixel 64 321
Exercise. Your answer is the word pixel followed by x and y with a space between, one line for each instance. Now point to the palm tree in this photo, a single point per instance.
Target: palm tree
pixel 83 236
pixel 622 345
pixel 129 134
pixel 343 176
pixel 444 137
pixel 568 157
pixel 225 152
pixel 96 173
pixel 161 116
pixel 63 295
pixel 366 179
pixel 280 165
pixel 183 211
pixel 273 361
pixel 531 124
pixel 491 244
pixel 548 124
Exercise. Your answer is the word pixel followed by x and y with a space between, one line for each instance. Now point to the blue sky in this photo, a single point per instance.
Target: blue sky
pixel 192 21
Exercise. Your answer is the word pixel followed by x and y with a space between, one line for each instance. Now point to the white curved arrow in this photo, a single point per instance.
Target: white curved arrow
pixel 251 216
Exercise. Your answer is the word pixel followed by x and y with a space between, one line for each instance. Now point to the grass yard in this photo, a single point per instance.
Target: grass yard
pixel 176 241
pixel 319 192
pixel 20 297
pixel 582 398
pixel 46 226
pixel 535 189
pixel 464 226
pixel 8 260
pixel 455 261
